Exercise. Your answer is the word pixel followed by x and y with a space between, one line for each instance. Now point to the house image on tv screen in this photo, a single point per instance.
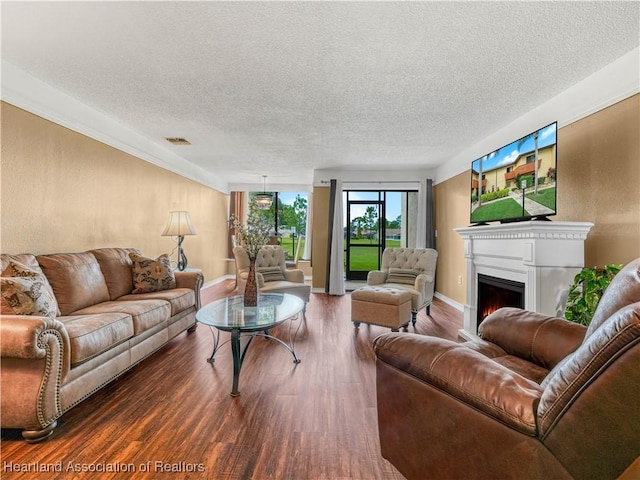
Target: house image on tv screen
pixel 517 181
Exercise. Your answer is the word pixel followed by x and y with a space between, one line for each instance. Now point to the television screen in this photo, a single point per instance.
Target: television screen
pixel 518 181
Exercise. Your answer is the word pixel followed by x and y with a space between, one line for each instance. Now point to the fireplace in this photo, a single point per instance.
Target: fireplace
pixel 542 256
pixel 494 292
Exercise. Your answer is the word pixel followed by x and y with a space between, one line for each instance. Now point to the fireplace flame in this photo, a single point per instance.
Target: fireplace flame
pixel 489 309
pixel 495 293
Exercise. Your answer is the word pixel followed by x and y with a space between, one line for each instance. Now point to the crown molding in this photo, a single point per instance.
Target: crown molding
pixel 28 93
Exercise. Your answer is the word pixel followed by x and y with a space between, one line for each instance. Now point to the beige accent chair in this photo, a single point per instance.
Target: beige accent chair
pixel 271 273
pixel 410 269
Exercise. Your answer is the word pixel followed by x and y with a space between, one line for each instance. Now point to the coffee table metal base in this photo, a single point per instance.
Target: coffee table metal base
pixel 238 353
pixel 229 314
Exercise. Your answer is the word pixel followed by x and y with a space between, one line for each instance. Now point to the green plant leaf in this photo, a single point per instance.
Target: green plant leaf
pixel 584 294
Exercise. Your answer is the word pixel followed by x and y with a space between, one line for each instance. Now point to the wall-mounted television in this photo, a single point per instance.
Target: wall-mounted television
pixel 518 181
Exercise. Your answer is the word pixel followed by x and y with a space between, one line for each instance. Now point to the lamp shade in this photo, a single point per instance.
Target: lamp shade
pixel 179 224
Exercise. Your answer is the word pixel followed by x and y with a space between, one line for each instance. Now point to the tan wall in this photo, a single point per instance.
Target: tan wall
pixel 320 235
pixel 64 192
pixel 451 202
pixel 598 178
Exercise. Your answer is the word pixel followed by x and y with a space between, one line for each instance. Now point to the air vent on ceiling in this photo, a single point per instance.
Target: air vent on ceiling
pixel 177 141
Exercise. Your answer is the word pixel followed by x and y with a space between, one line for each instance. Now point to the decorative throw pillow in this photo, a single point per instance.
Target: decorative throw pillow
pixel 271 274
pixel 402 275
pixel 152 275
pixel 16 269
pixel 26 292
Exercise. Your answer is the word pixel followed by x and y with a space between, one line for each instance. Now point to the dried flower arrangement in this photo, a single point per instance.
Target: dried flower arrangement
pixel 255 233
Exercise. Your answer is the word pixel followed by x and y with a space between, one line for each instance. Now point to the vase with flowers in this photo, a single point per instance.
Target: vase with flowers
pixel 251 236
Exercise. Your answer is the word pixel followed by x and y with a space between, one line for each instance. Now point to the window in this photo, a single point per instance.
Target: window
pixel 288 216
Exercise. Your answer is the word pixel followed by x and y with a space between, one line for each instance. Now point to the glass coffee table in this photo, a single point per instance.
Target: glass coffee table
pixel 230 315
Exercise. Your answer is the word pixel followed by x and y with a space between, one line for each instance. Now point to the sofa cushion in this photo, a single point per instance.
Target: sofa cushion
pixel 527 369
pixel 145 313
pixel 271 274
pixel 406 276
pixel 90 335
pixel 116 266
pixel 76 280
pixel 514 363
pixel 180 299
pixel 152 275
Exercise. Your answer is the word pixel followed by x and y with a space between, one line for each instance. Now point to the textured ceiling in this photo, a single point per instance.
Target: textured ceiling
pixel 283 88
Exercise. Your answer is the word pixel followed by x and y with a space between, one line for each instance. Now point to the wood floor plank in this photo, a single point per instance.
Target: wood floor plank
pixel 173 413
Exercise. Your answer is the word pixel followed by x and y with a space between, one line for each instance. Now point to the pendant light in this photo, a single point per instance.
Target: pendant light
pixel 264 200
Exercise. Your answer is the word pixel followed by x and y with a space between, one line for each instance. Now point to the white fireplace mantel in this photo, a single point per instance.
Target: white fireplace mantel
pixel 544 256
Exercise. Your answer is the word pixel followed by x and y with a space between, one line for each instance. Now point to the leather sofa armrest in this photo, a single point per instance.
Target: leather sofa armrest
pixel 535 337
pixel 21 336
pixel 376 277
pixel 192 280
pixel 36 358
pixel 466 375
pixel 294 275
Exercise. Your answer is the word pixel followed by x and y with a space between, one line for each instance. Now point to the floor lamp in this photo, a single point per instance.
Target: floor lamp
pixel 179 225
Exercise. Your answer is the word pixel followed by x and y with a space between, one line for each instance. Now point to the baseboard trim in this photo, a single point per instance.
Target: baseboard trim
pixel 438 295
pixel 218 280
pixel 449 301
pixel 224 278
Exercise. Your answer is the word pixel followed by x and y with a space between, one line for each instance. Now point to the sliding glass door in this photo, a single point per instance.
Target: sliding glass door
pixel 375 220
pixel 364 239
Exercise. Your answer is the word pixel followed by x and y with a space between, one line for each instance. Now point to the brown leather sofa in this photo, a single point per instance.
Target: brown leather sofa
pixel 535 397
pixel 52 363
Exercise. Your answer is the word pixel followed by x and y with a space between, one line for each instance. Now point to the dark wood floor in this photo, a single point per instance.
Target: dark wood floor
pixel 315 420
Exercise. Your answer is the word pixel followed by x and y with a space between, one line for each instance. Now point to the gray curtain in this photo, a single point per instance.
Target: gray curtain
pixel 306 253
pixel 425 230
pixel 421 230
pixel 334 284
pixel 430 226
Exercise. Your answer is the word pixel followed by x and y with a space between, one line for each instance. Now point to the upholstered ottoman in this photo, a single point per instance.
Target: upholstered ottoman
pixel 387 307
